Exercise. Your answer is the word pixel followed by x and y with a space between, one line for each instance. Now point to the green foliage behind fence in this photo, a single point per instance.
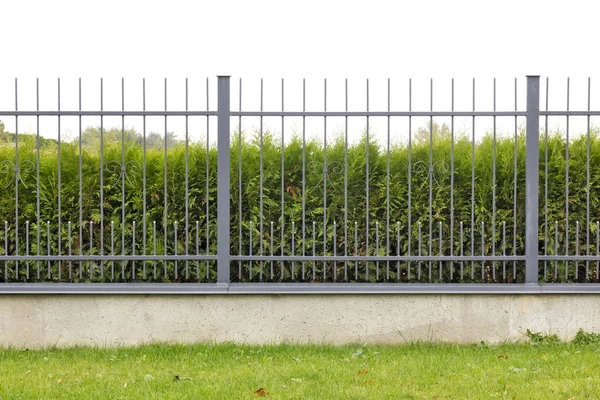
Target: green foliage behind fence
pixel 295 192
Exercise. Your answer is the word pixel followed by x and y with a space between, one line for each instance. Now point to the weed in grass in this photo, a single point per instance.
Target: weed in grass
pixel 540 338
pixel 584 338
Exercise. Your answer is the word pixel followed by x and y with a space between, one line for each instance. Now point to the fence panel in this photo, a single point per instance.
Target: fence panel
pixel 337 188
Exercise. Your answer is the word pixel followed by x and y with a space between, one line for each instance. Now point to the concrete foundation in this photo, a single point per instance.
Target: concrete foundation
pixel 32 321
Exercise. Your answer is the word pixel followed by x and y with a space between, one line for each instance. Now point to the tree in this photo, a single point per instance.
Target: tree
pixel 434 130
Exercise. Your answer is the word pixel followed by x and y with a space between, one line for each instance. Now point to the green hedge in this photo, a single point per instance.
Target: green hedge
pixel 293 201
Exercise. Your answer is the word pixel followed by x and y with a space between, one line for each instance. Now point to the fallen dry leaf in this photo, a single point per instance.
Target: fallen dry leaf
pixel 503 357
pixel 369 382
pixel 261 392
pixel 363 372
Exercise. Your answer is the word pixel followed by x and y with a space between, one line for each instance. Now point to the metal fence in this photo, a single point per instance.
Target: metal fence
pixel 442 212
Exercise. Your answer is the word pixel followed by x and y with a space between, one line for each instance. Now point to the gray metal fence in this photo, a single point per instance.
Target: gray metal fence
pixel 283 213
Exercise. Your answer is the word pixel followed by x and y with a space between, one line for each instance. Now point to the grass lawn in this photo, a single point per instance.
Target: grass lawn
pixel 208 371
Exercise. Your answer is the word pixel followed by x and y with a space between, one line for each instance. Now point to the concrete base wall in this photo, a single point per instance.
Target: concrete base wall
pixel 64 320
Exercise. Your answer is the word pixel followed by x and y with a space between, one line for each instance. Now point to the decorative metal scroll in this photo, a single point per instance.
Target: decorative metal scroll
pixel 130 168
pixel 434 170
pixel 23 168
pixel 333 167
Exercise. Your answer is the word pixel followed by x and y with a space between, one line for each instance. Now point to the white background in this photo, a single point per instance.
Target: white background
pixel 309 39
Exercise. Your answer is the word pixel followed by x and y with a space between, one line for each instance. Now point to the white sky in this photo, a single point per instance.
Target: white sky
pixel 312 39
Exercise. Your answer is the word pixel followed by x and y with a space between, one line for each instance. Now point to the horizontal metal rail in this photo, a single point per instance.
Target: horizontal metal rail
pixel 140 258
pixel 116 113
pixel 376 258
pixel 107 113
pixel 296 288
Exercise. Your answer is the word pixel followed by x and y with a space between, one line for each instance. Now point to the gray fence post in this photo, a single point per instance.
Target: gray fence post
pixel 223 188
pixel 532 165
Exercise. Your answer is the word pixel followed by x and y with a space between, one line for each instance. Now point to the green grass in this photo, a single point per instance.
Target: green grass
pixel 539 370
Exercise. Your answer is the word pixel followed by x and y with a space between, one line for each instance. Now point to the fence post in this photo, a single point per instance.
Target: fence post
pixel 532 165
pixel 223 183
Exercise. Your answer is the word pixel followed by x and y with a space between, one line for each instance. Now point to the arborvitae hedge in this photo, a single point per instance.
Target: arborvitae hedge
pixel 293 201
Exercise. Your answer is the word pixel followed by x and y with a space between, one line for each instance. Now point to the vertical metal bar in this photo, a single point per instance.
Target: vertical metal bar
pixel 144 220
pixel 240 228
pixel 293 252
pixel 387 194
pixel 314 253
pixel 473 187
pixel 16 171
pixel 250 253
pixel 532 171
pixel 198 251
pixel 452 183
pixel 461 251
pixel 282 180
pixel 304 173
pixel 91 275
pixel 515 159
pixel 165 191
pixel 441 252
pixel 175 249
pixel 101 250
pixel 597 247
pixel 187 169
pixel 223 172
pixel 430 250
pixel 377 248
pixel 546 182
pixel 271 262
pixel 133 250
pixel 482 251
pixel 59 233
pixel 207 188
pixel 70 251
pixel 37 172
pixel 48 244
pixel 123 172
pixel 494 190
pixel 240 234
pixel 346 181
pixel 261 177
pixel 367 225
pixel 419 242
pixel 409 229
pixel 504 250
pixel 27 249
pixel 112 249
pixel 334 251
pixel 325 176
pixel 356 249
pixel 80 184
pixel 398 250
pixel 555 249
pixel 6 250
pixel 567 184
pixel 154 245
pixel 576 249
pixel 587 208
